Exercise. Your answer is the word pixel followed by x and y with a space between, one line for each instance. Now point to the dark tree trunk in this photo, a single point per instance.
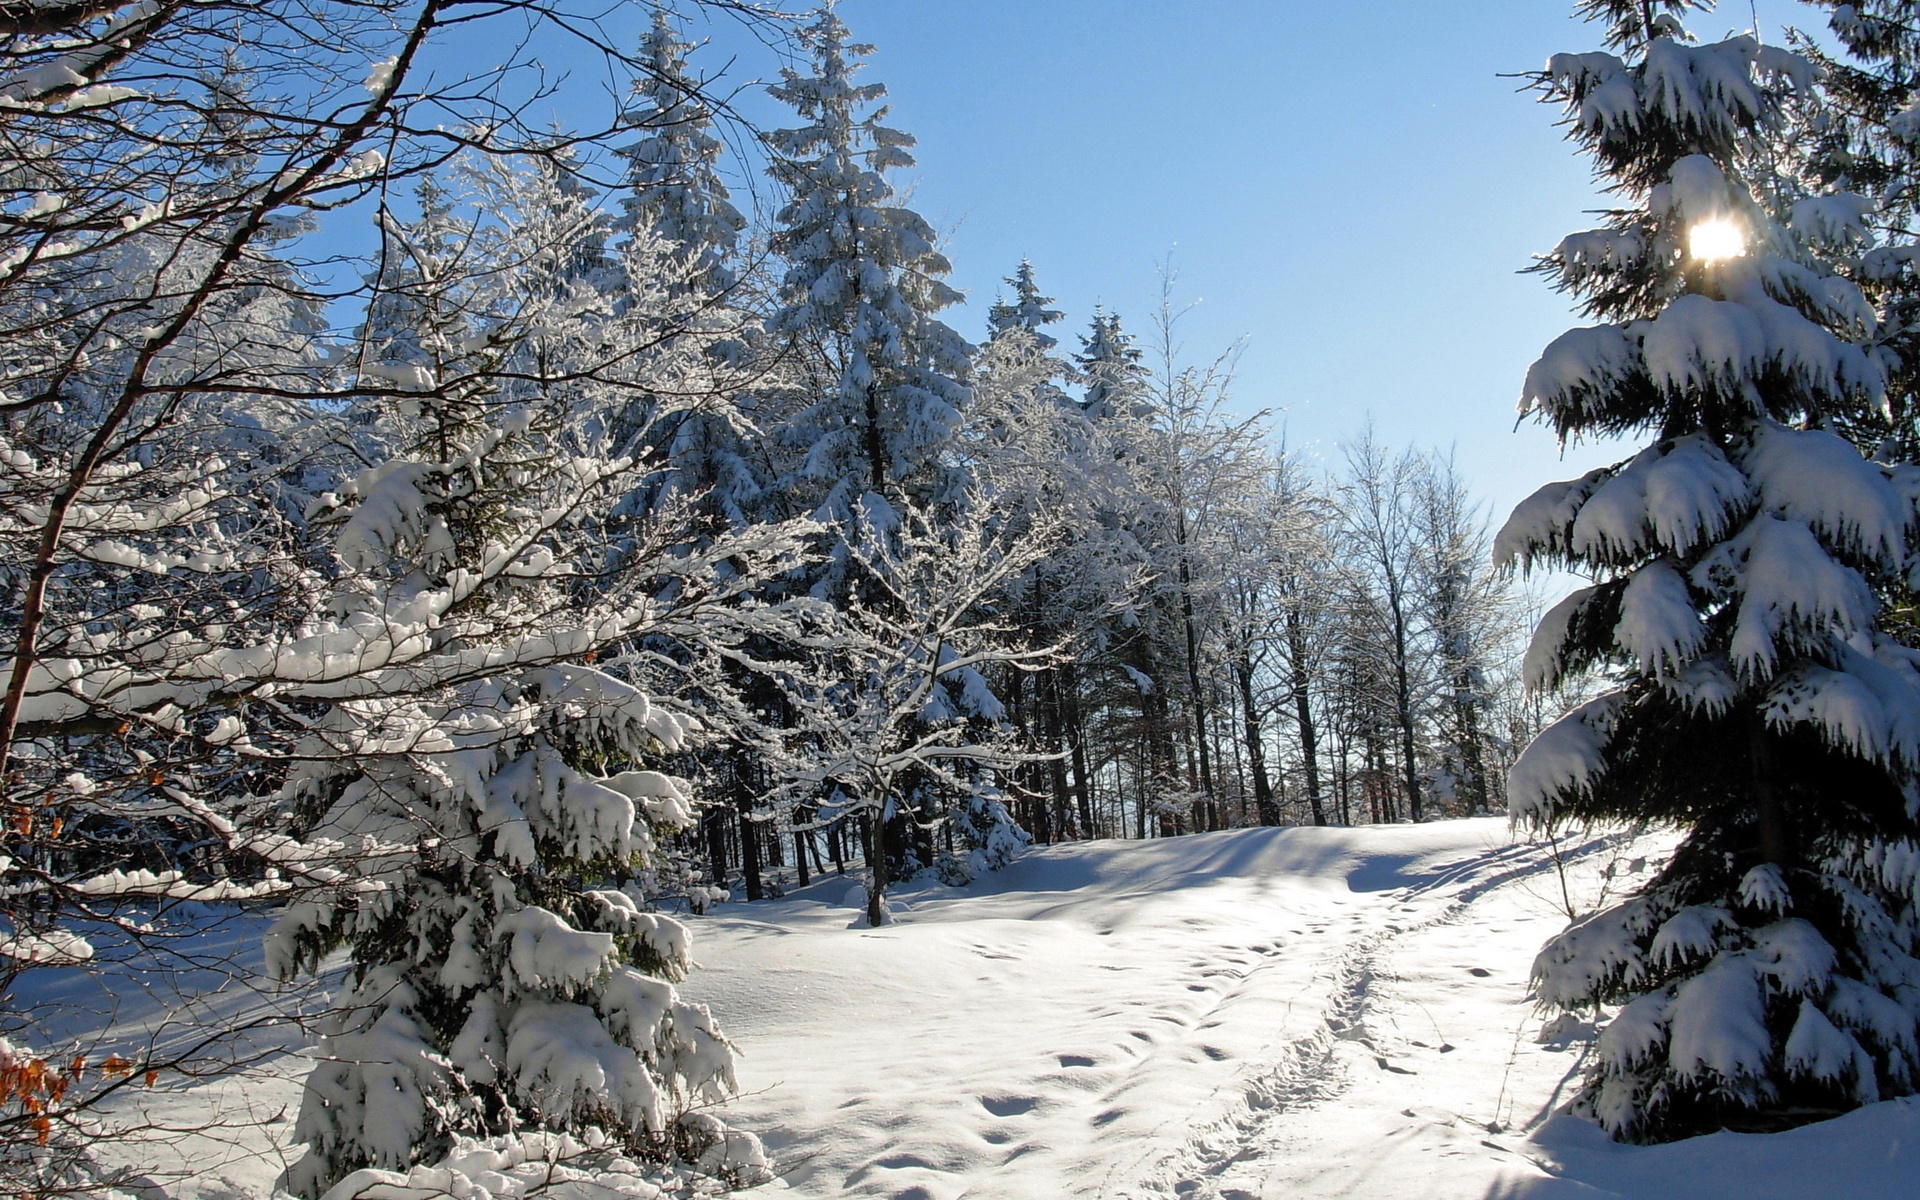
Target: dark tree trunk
pixel 876 831
pixel 1775 845
pixel 1303 716
pixel 716 825
pixel 1263 802
pixel 1473 759
pixel 1204 817
pixel 749 833
pixel 1077 745
pixel 1403 703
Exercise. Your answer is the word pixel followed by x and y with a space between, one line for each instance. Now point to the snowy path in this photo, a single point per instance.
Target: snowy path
pixel 1262 1013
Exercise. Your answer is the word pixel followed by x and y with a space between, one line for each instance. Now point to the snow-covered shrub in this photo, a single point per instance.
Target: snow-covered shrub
pixel 1759 701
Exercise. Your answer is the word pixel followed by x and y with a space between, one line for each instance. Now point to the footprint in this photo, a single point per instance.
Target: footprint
pixel 1478 972
pixel 1215 1053
pixel 1196 987
pixel 1075 1060
pixel 1110 1116
pixel 1008 1106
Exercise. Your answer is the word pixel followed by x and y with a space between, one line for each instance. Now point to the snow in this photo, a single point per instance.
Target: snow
pixel 1791 591
pixel 1717 1022
pixel 1266 1013
pixel 548 952
pixel 1701 343
pixel 1838 221
pixel 1659 627
pixel 1564 758
pixel 1820 479
pixel 1261 1013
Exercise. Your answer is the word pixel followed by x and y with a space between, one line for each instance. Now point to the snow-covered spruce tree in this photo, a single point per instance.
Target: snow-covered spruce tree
pixel 872 441
pixel 485 748
pixel 672 193
pixel 1027 310
pixel 672 183
pixel 1864 142
pixel 1766 975
pixel 863 282
pixel 1467 608
pixel 1110 363
pixel 1032 449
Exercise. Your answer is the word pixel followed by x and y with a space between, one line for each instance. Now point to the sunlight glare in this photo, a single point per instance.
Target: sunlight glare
pixel 1710 241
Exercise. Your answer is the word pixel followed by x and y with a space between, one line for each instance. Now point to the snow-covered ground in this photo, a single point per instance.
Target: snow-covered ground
pixel 1262 1013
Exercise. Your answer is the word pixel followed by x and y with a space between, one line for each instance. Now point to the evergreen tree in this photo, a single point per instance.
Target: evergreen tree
pixel 673 186
pixel 1766 974
pixel 483 759
pixel 863 282
pixel 1027 310
pixel 1110 363
pixel 1863 145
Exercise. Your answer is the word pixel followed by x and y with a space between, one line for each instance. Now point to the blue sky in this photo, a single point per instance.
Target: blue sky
pixel 1351 187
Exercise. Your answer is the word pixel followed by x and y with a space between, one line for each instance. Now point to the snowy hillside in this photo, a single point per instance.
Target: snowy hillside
pixel 1258 1013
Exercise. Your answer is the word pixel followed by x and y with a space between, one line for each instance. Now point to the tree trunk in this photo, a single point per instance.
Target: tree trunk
pixel 1263 803
pixel 1403 703
pixel 1473 757
pixel 1774 843
pixel 876 831
pixel 749 833
pixel 1077 745
pixel 1196 696
pixel 1303 714
pixel 716 823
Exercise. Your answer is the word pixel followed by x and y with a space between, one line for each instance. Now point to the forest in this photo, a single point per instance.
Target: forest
pixel 466 552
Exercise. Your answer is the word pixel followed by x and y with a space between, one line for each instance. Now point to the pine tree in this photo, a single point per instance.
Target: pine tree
pixel 486 758
pixel 863 283
pixel 673 186
pixel 1861 145
pixel 1027 310
pixel 1110 363
pixel 1765 975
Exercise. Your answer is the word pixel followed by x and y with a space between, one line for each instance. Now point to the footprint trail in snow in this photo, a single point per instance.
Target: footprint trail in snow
pixel 1190 1017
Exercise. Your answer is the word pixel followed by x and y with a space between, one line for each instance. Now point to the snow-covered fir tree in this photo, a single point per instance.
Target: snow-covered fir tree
pixel 1864 142
pixel 863 283
pixel 1744 559
pixel 485 759
pixel 1110 363
pixel 672 185
pixel 1027 310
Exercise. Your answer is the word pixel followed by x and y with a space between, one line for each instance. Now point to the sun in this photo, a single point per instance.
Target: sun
pixel 1716 239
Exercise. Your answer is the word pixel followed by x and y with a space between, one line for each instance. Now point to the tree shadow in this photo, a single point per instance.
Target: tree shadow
pixel 1872 1152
